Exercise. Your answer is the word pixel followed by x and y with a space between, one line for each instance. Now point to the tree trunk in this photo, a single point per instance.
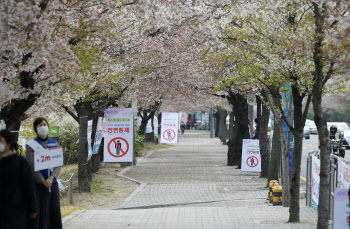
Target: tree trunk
pixel 285 166
pixel 294 209
pixel 240 129
pixel 14 112
pixel 83 173
pixel 275 153
pixel 263 137
pixel 216 124
pixel 320 119
pixel 159 127
pixel 222 126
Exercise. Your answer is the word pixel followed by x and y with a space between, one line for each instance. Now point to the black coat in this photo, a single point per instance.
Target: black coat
pixel 17 195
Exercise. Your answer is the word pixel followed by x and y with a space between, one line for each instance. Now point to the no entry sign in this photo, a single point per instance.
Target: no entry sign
pixel 169 134
pixel 170 126
pixel 251 156
pixel 118 147
pixel 119 135
pixel 252 161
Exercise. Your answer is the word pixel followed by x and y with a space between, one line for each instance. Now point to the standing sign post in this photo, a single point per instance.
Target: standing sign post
pixel 169 129
pixel 98 135
pixel 89 132
pixel 341 209
pixel 288 107
pixel 315 167
pixel 119 136
pixel 251 160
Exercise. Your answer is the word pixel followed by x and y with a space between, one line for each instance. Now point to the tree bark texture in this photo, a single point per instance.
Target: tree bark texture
pixel 216 124
pixel 263 137
pixel 222 126
pixel 240 129
pixel 320 119
pixel 275 153
pixel 294 210
pixel 83 173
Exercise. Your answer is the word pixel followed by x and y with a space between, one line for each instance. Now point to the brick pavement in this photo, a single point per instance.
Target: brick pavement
pixel 190 186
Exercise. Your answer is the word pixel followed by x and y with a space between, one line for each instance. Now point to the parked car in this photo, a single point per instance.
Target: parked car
pixel 306 132
pixel 343 129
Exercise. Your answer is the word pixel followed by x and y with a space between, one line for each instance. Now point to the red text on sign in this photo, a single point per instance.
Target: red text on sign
pixel 43 158
pixel 253 152
pixel 118 130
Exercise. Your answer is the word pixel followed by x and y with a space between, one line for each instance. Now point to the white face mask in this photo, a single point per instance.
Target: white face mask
pixel 2 148
pixel 43 130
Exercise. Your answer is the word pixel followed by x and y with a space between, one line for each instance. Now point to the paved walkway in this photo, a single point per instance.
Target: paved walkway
pixel 191 187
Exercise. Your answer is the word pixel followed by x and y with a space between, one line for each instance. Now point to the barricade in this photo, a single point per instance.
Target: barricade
pixel 277 195
pixel 68 189
pixel 271 184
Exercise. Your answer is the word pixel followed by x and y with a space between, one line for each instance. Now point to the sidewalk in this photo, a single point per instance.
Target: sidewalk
pixel 191 187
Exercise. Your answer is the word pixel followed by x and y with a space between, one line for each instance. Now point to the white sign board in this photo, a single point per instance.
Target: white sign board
pixel 119 136
pixel 205 119
pixel 343 179
pixel 169 129
pixel 98 135
pixel 155 125
pixel 251 160
pixel 46 158
pixel 341 209
pixel 89 132
pixel 315 167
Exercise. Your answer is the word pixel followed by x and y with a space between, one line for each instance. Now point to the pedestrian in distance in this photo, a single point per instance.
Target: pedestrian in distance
pixel 17 193
pixel 46 186
pixel 255 135
pixel 188 124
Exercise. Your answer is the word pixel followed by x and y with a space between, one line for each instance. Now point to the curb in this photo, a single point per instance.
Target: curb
pixel 72 215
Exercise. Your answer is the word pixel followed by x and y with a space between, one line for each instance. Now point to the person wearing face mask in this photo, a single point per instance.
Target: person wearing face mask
pixel 17 193
pixel 46 186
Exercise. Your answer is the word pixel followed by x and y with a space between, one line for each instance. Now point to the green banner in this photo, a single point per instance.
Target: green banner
pixel 54 131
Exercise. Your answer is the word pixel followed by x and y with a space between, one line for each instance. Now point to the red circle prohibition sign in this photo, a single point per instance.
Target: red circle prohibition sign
pixel 166 132
pixel 252 161
pixel 114 140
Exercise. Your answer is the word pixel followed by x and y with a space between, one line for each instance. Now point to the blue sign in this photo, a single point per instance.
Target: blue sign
pixel 286 99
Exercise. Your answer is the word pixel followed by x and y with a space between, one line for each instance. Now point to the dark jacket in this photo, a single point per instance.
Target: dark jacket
pixel 17 195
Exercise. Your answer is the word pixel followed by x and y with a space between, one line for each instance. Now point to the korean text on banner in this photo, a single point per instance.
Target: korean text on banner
pixel 48 158
pixel 89 132
pixel 169 129
pixel 341 209
pixel 251 160
pixel 119 136
pixel 343 180
pixel 315 167
pixel 98 136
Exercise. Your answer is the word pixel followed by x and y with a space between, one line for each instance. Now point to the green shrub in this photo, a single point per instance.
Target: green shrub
pixel 139 142
pixel 69 140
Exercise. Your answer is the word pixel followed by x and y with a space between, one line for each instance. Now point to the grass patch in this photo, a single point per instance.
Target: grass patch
pixel 149 147
pixel 98 188
pixel 67 210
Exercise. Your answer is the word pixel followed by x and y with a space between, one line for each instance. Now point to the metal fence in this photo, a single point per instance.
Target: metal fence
pixel 332 182
pixel 67 189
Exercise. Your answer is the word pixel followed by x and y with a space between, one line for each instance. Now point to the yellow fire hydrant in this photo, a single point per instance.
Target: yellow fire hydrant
pixel 277 195
pixel 271 184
